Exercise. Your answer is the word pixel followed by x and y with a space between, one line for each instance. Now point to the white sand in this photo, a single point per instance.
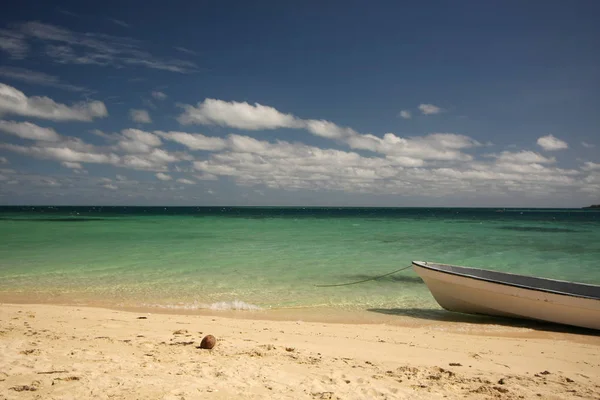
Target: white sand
pixel 52 352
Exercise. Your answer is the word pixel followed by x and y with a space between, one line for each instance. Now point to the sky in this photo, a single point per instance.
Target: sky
pixel 337 103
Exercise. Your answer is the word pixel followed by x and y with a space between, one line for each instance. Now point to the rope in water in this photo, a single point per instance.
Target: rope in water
pixel 366 280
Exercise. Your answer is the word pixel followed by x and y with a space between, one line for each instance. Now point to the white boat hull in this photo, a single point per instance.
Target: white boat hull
pixel 475 296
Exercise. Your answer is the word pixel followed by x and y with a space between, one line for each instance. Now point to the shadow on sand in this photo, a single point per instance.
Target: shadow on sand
pixel 448 316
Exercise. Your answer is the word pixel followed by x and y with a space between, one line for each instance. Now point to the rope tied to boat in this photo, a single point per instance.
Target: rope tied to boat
pixel 366 280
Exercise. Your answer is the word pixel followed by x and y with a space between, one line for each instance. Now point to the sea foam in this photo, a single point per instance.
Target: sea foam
pixel 235 305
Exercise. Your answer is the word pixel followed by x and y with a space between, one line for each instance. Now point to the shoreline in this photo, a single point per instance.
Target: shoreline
pixel 83 352
pixel 435 318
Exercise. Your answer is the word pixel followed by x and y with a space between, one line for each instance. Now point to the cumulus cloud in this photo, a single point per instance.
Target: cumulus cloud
pixel 163 177
pixel 137 141
pixel 134 149
pixel 159 95
pixel 411 151
pixel 588 145
pixel 437 146
pixel 61 152
pixel 140 116
pixel 591 166
pixel 144 137
pixel 437 164
pixel 110 186
pixel 15 102
pixel 551 143
pixel 291 166
pixel 237 115
pixel 522 157
pixel 27 130
pixel 328 129
pixel 3 160
pixel 429 109
pixel 155 160
pixel 194 141
pixel 405 114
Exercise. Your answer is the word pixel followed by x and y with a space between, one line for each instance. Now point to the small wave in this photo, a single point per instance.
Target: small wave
pixel 235 305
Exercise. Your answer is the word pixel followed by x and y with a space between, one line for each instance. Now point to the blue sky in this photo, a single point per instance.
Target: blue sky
pixel 301 103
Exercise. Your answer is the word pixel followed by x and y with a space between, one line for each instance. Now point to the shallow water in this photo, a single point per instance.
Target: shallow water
pixel 272 258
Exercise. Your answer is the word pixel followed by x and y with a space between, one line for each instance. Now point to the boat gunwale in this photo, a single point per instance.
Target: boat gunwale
pixel 424 264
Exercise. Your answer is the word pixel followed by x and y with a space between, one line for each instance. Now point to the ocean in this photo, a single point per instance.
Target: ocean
pixel 269 258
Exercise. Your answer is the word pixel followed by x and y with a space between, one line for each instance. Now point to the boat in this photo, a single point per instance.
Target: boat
pixel 480 291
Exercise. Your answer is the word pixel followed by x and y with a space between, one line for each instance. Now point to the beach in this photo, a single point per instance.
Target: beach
pixel 113 302
pixel 70 352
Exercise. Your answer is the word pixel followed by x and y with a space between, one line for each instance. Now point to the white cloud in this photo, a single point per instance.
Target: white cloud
pixel 163 177
pixel 121 178
pixel 27 130
pixel 140 150
pixel 159 95
pixel 237 115
pixel 550 143
pixel 522 157
pixel 429 109
pixel 155 160
pixel 327 129
pixel 431 165
pixel 72 165
pixel 61 152
pixel 140 116
pixel 13 101
pixel 110 186
pixel 591 166
pixel 68 47
pixel 146 138
pixel 291 166
pixel 37 78
pixel 194 141
pixel 405 114
pixel 134 146
pixel 588 145
pixel 287 165
pixel 408 151
pixel 437 146
pixel 3 160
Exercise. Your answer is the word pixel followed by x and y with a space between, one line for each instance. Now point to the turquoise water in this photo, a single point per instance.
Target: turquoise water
pixel 272 258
